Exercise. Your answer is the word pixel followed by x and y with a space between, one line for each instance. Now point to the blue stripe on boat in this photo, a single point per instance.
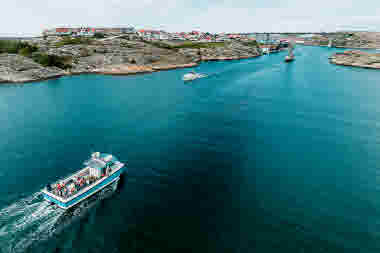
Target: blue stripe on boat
pixel 77 199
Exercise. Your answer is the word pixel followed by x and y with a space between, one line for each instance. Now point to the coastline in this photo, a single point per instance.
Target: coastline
pixel 340 47
pixel 354 65
pixel 114 57
pixel 124 70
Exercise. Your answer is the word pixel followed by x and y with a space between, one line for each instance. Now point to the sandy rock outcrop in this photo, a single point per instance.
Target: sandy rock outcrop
pixel 356 58
pixel 16 69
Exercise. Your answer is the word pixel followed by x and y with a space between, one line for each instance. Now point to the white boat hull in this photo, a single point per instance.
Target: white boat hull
pixel 191 77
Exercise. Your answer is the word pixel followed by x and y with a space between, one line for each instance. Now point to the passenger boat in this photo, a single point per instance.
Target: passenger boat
pixel 192 76
pixel 100 170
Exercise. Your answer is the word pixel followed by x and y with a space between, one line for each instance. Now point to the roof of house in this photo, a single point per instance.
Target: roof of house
pixel 62 30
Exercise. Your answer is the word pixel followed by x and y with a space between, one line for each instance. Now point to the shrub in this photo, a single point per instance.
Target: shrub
pixel 200 45
pixel 14 47
pixel 84 52
pixel 27 51
pixel 99 35
pixel 52 60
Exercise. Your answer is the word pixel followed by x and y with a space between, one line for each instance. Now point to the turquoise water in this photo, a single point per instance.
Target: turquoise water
pixel 261 156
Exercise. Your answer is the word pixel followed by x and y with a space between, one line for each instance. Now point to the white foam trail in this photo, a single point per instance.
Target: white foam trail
pixel 32 220
pixel 17 208
pixel 24 221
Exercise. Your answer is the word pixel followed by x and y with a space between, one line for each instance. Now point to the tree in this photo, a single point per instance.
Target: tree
pixel 98 35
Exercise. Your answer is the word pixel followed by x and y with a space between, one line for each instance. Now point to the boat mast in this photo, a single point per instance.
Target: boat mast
pixel 330 43
pixel 290 49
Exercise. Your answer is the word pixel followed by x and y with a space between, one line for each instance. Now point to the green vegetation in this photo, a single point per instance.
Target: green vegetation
pixel 46 60
pixel 126 45
pixel 339 43
pixel 99 36
pixel 201 45
pixel 17 47
pixel 28 50
pixel 159 44
pixel 323 42
pixel 252 43
pixel 73 41
pixel 186 44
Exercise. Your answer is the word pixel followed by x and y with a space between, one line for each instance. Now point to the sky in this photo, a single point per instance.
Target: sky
pixel 30 17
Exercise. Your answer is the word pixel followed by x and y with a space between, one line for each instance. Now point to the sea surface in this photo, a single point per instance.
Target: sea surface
pixel 260 156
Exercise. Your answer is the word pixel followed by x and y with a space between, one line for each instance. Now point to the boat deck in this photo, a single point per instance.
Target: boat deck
pixel 73 184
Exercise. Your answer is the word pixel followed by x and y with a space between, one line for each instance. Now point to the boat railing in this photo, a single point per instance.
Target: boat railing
pixel 67 178
pixel 87 186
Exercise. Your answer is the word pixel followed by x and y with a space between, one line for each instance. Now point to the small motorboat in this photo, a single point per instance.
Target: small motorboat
pixel 289 58
pixel 192 76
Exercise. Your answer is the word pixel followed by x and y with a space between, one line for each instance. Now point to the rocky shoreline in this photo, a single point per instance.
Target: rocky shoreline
pixel 349 40
pixel 355 58
pixel 115 57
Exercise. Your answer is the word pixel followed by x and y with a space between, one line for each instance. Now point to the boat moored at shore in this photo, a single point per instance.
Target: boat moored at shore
pixel 101 170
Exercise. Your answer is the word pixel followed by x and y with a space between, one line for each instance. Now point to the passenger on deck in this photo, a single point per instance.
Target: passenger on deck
pixel 59 189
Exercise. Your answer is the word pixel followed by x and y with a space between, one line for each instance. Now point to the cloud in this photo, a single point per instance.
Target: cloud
pixel 30 17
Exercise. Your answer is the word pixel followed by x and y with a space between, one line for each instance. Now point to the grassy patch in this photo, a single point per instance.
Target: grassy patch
pixel 159 44
pixel 200 45
pixel 323 42
pixel 252 43
pixel 17 47
pixel 73 41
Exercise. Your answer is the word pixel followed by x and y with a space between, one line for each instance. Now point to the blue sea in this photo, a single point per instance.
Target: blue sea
pixel 260 156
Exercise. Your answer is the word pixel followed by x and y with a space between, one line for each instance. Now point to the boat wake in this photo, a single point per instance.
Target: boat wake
pixel 32 220
pixel 25 221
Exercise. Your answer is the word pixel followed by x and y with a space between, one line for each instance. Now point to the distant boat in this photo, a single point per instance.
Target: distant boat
pixel 192 76
pixel 266 50
pixel 290 56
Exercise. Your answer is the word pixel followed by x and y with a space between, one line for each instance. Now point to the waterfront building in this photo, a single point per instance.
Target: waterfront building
pixel 88 31
pixel 150 34
pixel 63 31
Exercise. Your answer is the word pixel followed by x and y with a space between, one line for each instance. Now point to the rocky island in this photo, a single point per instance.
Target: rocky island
pixel 356 58
pixel 41 59
pixel 358 40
